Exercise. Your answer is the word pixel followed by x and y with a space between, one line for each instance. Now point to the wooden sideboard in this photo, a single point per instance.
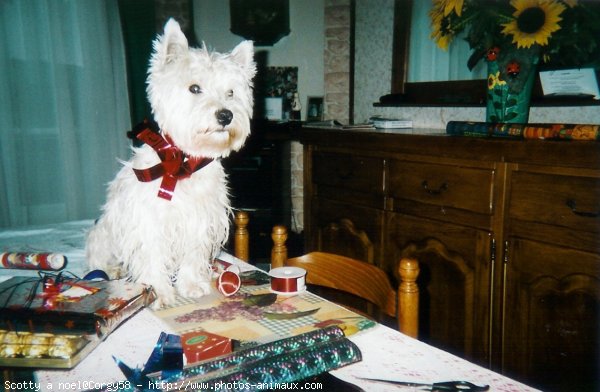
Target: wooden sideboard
pixel 507 233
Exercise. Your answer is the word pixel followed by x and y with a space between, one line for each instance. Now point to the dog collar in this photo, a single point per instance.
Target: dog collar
pixel 175 164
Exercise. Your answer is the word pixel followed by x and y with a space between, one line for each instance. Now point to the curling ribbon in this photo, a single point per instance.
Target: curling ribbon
pixel 229 281
pixel 167 357
pixel 288 280
pixel 175 164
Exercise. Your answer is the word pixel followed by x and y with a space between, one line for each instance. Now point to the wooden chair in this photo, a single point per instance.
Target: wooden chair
pixel 347 275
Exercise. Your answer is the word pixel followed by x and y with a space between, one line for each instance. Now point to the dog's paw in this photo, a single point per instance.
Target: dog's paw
pixel 192 289
pixel 164 297
pixel 116 272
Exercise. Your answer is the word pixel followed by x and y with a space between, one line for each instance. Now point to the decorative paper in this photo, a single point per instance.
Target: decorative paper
pixel 255 315
pixel 55 304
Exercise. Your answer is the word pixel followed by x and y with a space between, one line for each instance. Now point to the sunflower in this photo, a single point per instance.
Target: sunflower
pixel 452 5
pixel 495 80
pixel 534 22
pixel 442 30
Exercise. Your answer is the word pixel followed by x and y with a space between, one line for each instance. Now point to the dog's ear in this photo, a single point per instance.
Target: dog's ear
pixel 172 45
pixel 243 54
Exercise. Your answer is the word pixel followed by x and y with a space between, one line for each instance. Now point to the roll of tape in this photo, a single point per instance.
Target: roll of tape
pixel 288 280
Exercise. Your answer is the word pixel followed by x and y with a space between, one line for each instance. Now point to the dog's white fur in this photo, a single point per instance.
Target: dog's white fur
pixel 165 243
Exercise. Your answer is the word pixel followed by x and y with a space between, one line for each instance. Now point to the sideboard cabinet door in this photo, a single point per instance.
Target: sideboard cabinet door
pixel 454 282
pixel 551 298
pixel 552 316
pixel 346 200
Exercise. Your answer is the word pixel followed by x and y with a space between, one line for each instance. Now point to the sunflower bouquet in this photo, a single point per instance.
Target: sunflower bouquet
pixel 563 33
pixel 513 37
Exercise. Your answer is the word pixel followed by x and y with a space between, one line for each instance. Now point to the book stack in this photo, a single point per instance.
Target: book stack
pixel 390 123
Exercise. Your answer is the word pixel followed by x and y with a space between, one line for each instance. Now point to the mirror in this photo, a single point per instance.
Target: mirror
pixel 463 92
pixel 427 62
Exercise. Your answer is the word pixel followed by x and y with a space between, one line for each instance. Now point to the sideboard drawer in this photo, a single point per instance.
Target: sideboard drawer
pixel 364 174
pixel 460 187
pixel 560 200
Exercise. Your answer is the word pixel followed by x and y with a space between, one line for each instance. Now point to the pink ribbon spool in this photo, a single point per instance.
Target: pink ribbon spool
pixel 229 282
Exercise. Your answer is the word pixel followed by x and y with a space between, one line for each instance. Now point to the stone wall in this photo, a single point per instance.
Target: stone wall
pixel 337 60
pixel 337 92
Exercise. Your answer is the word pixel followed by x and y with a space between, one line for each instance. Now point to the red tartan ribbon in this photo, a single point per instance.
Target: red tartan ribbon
pixel 175 164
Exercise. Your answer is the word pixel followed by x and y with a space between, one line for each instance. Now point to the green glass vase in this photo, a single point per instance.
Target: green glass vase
pixel 509 90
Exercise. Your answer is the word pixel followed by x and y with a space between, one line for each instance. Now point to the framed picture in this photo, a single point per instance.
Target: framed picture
pixel 281 83
pixel 274 108
pixel 314 109
pixel 263 21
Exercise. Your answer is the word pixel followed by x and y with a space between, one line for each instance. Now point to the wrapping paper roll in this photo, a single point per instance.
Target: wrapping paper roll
pixel 283 361
pixel 33 261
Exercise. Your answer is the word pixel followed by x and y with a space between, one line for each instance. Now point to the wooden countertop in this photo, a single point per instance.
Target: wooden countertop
pixel 436 142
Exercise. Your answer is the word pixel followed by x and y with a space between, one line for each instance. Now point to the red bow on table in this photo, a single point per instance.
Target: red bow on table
pixel 175 164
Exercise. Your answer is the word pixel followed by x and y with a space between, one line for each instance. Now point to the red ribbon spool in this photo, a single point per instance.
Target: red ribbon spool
pixel 288 280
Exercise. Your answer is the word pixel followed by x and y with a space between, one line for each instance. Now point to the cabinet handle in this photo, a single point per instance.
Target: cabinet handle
pixel 573 206
pixel 442 188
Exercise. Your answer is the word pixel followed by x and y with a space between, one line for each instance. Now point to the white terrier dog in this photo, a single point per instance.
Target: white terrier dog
pixel 167 213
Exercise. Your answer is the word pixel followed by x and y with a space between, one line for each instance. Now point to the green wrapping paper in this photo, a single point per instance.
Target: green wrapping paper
pixel 283 361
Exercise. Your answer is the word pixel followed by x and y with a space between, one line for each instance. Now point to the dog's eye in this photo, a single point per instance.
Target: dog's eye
pixel 195 89
pixel 230 94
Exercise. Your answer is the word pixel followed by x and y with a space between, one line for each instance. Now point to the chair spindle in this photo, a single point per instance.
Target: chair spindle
pixel 279 252
pixel 408 297
pixel 242 236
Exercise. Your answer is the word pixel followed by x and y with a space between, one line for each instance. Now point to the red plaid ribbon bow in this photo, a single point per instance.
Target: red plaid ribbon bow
pixel 175 164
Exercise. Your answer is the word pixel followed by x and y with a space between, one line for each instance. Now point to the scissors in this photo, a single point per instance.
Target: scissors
pixel 444 386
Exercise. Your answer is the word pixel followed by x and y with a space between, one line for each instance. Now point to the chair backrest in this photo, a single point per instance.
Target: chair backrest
pixel 351 276
pixel 347 275
pixel 358 278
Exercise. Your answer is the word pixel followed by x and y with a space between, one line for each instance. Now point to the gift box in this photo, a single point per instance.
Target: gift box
pixel 201 345
pixel 43 350
pixel 57 305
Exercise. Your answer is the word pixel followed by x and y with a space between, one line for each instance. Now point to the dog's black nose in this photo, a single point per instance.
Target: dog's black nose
pixel 224 116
